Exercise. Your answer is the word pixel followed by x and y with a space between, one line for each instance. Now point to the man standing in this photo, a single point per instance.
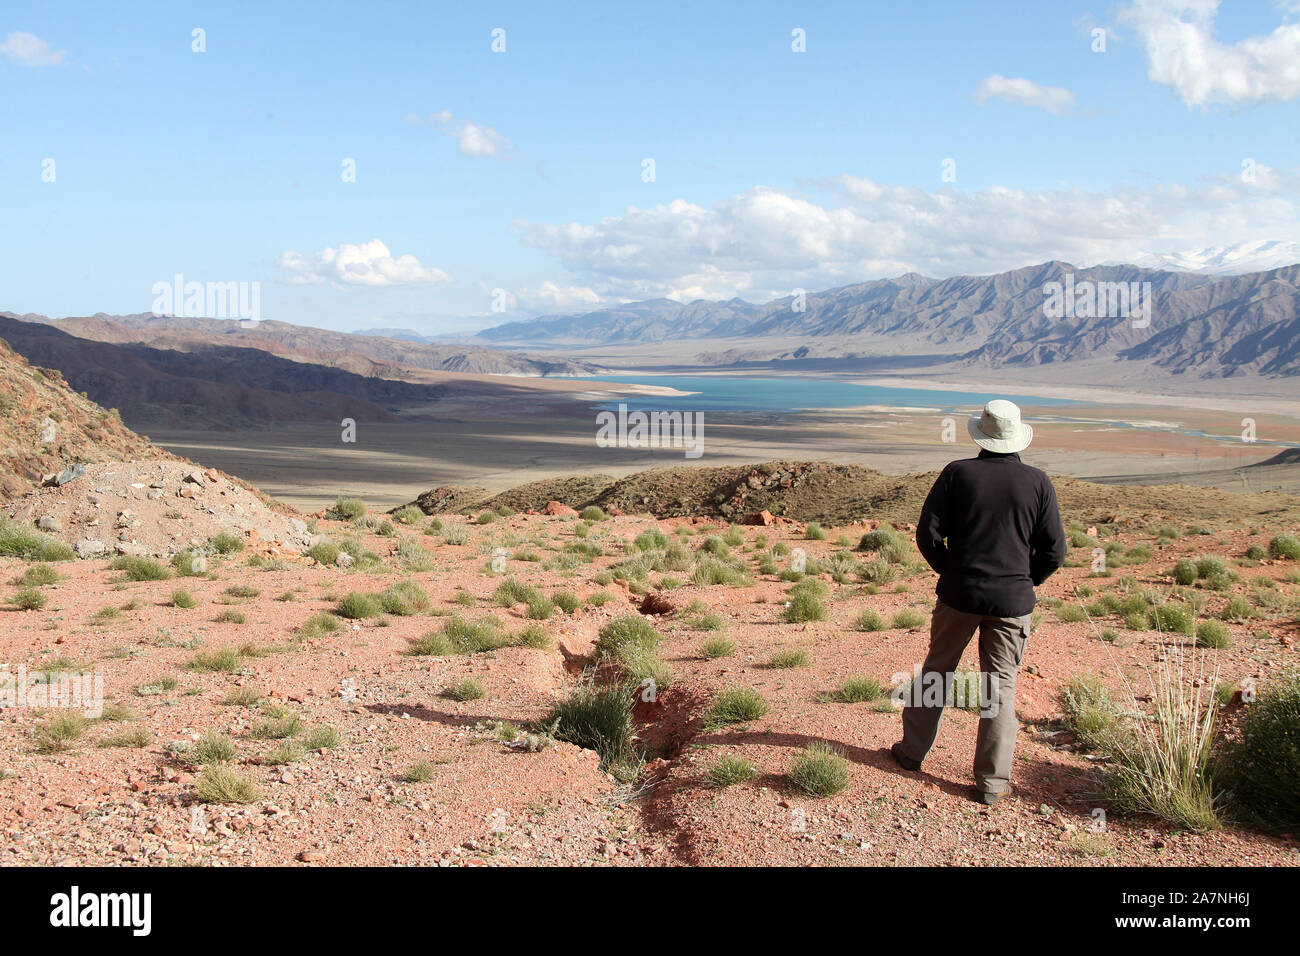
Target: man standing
pixel 990 528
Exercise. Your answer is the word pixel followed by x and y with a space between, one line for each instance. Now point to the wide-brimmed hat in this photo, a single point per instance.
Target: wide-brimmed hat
pixel 999 428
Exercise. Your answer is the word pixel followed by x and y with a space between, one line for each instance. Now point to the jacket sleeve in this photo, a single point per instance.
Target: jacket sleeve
pixel 930 528
pixel 1047 546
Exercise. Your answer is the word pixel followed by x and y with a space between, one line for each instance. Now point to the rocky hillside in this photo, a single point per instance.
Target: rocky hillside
pixel 48 426
pixel 839 494
pixel 361 354
pixel 211 386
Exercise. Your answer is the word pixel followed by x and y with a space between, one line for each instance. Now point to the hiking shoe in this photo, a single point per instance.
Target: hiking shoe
pixel 990 799
pixel 907 763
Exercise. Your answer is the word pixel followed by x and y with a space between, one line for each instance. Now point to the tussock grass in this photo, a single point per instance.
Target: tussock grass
pixel 820 771
pixel 219 784
pixel 17 541
pixel 135 568
pixel 728 771
pixel 599 718
pixel 60 732
pixel 735 705
pixel 465 690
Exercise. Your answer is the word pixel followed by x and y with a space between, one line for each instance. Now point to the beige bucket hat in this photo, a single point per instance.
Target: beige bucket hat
pixel 999 428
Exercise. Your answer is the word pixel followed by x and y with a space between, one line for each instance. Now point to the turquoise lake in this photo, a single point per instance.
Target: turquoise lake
pixel 724 393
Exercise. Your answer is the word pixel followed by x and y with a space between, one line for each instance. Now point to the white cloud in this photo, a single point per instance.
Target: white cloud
pixel 472 139
pixel 1054 99
pixel 368 264
pixel 31 50
pixel 552 297
pixel 1182 53
pixel 762 243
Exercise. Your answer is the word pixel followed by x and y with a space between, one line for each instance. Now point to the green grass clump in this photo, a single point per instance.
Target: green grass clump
pixel 276 728
pixel 135 568
pixel 463 690
pixel 596 718
pixel 413 556
pixel 462 636
pixel 1259 769
pixel 404 599
pixel 888 544
pixel 1090 715
pixel 346 509
pixel 322 738
pixel 868 621
pixel 735 705
pixel 857 690
pixel 815 532
pixel 907 619
pixel 59 733
pixel 592 513
pixel 1212 634
pixel 226 659
pixel 1285 546
pixel 787 658
pixel 28 599
pixel 358 605
pixel 804 605
pixel 536 637
pixel 1171 618
pixel 419 772
pixel 408 514
pixel 230 616
pixel 728 771
pixel 566 601
pixel 820 771
pixel 227 543
pixel 17 541
pixel 718 646
pixel 214 747
pixel 1071 614
pixel 39 576
pixel 323 552
pixel 318 625
pixel 128 737
pixel 183 599
pixel 189 564
pixel 218 784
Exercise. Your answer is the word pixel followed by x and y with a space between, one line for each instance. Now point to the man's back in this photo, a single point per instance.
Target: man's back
pixel 1003 534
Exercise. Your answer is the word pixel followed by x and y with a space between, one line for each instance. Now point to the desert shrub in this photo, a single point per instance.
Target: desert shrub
pixel 534 636
pixel 419 772
pixel 1260 768
pixel 1171 618
pixel 815 532
pixel 651 540
pixel 1211 634
pixel 1285 546
pixel 1237 609
pixel 1185 572
pixel 1090 714
pixel 412 555
pixel 596 718
pixel 735 705
pixel 358 605
pixel 592 513
pixel 728 771
pixel 566 601
pixel 1210 567
pixel 17 541
pixel 230 616
pixel 128 737
pixel 622 633
pixel 856 690
pixel 323 552
pixel 888 544
pixel 868 621
pixel 510 592
pixel 820 771
pixel 39 575
pixel 318 625
pixel 226 543
pixel 404 599
pixel 276 728
pixel 463 636
pixel 1256 553
pixel 1071 614
pixel 408 514
pixel 28 599
pixel 804 605
pixel 183 599
pixel 710 571
pixel 908 619
pixel 346 509
pixel 135 568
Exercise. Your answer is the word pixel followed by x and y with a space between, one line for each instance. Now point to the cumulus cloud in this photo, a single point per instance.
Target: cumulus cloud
pixel 1183 54
pixel 367 264
pixel 762 242
pixel 31 50
pixel 1054 99
pixel 472 139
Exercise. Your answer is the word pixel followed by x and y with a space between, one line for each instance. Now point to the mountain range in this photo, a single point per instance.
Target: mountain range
pixel 1201 325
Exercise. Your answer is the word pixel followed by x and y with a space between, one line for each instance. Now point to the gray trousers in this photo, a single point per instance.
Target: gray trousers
pixel 1002 647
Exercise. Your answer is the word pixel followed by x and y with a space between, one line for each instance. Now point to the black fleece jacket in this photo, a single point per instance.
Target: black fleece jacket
pixel 1003 534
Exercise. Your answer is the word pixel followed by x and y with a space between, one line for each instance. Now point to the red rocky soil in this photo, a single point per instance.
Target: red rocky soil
pixel 485 803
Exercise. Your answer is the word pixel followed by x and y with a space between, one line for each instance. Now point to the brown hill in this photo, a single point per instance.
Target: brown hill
pixel 843 494
pixel 47 427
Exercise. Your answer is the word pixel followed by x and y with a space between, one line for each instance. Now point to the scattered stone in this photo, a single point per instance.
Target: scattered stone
pixel 89 548
pixel 49 523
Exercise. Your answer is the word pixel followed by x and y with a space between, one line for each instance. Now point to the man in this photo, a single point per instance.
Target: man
pixel 990 528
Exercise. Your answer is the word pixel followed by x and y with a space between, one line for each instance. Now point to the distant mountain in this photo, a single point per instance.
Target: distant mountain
pixel 210 386
pixel 1237 259
pixel 361 354
pixel 1200 324
pixel 402 335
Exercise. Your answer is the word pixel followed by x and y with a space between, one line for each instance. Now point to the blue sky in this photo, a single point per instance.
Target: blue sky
pixel 522 171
